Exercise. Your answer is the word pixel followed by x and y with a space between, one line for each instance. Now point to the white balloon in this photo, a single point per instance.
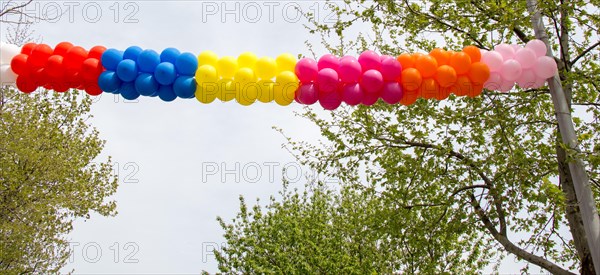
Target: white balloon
pixel 7 76
pixel 7 52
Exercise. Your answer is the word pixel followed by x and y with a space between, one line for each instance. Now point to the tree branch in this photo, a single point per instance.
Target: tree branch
pixel 582 54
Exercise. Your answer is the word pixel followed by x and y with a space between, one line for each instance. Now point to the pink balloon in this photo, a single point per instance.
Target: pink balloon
pixel 539 82
pixel 327 80
pixel 537 46
pixel 372 81
pixel 370 98
pixel 307 94
pixel 392 92
pixel 330 101
pixel 505 50
pixel 494 82
pixel 306 70
pixel 516 47
pixel 328 61
pixel 526 57
pixel 349 70
pixel 493 60
pixel 352 94
pixel 506 86
pixel 391 69
pixel 527 79
pixel 346 57
pixel 511 70
pixel 369 60
pixel 545 67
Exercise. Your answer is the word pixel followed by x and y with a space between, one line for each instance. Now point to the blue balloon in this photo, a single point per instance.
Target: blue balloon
pixel 148 60
pixel 165 92
pixel 111 58
pixel 169 55
pixel 184 87
pixel 109 82
pixel 165 73
pixel 146 85
pixel 127 70
pixel 132 53
pixel 128 91
pixel 187 64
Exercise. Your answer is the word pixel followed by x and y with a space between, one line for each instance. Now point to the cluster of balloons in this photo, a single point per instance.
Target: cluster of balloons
pixel 136 72
pixel 64 67
pixel 528 66
pixel 246 78
pixel 7 52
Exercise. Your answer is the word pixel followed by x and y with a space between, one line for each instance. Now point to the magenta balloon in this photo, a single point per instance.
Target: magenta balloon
pixel 511 70
pixel 369 98
pixel 349 70
pixel 391 69
pixel 539 82
pixel 392 92
pixel 307 94
pixel 327 80
pixel 493 60
pixel 506 50
pixel 506 86
pixel 369 60
pixel 537 46
pixel 545 67
pixel 494 82
pixel 348 57
pixel 527 79
pixel 306 70
pixel 372 81
pixel 328 61
pixel 352 94
pixel 526 57
pixel 330 101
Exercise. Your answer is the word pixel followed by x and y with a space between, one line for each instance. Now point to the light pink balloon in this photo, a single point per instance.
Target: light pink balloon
pixel 493 60
pixel 349 70
pixel 537 46
pixel 516 47
pixel 327 80
pixel 306 70
pixel 494 82
pixel 307 94
pixel 372 81
pixel 539 82
pixel 527 79
pixel 330 101
pixel 392 92
pixel 505 50
pixel 352 94
pixel 369 60
pixel 506 86
pixel 545 67
pixel 526 57
pixel 328 61
pixel 511 70
pixel 391 69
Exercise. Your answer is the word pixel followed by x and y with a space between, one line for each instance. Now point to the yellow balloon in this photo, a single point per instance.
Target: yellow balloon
pixel 208 58
pixel 206 74
pixel 244 75
pixel 246 94
pixel 206 93
pixel 247 60
pixel 226 66
pixel 285 87
pixel 226 89
pixel 286 62
pixel 266 67
pixel 265 91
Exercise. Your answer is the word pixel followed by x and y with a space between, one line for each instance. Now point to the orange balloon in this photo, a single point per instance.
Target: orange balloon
pixel 463 86
pixel 429 88
pixel 477 89
pixel 427 65
pixel 461 62
pixel 409 97
pixel 445 76
pixel 479 73
pixel 411 79
pixel 442 57
pixel 443 93
pixel 473 52
pixel 407 61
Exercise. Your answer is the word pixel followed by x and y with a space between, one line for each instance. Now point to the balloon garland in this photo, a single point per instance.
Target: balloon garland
pixel 247 78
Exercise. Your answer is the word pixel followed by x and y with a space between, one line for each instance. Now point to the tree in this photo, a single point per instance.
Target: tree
pixel 492 167
pixel 48 177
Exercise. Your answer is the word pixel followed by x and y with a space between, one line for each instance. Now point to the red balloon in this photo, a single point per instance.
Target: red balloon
pixel 26 84
pixel 39 55
pixel 19 64
pixel 62 48
pixel 91 69
pixel 93 89
pixel 58 84
pixel 74 58
pixel 40 77
pixel 27 48
pixel 72 79
pixel 96 52
pixel 54 66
